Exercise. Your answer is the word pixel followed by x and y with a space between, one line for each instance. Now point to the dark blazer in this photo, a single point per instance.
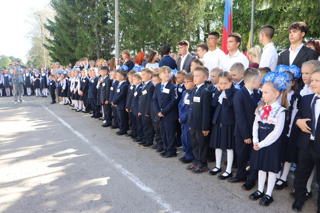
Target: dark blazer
pixel 135 100
pixel 129 64
pixel 226 109
pixel 304 112
pixel 130 96
pixel 52 85
pixel 305 54
pixel 168 61
pixel 145 99
pixel 199 114
pixel 113 89
pixel 105 89
pixel 92 91
pixel 181 89
pixel 186 64
pixel 244 111
pixel 184 108
pixel 84 85
pixel 120 96
pixel 166 103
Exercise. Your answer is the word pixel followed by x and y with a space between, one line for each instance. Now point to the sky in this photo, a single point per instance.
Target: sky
pixel 15 16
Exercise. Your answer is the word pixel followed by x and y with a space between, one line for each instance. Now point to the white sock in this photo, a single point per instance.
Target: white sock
pixel 285 171
pixel 278 175
pixel 218 158
pixel 28 91
pixel 271 182
pixel 229 160
pixel 0 92
pixel 76 104
pixel 80 105
pixel 310 180
pixel 261 180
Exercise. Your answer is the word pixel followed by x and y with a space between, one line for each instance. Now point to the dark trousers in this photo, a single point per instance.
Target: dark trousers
pixel 93 104
pixel 53 96
pixel 122 120
pixel 132 123
pixel 199 147
pixel 156 127
pixel 139 128
pixel 107 111
pixel 148 132
pixel 186 141
pixel 307 159
pixel 178 135
pixel 115 116
pixel 168 131
pixel 243 152
pixel 85 101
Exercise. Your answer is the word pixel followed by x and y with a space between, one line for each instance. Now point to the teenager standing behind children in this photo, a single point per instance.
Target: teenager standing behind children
pixel 267 131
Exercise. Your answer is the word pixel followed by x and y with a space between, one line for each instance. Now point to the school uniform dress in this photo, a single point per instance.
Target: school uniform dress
pixel 183 107
pixel 134 107
pixel 70 84
pixel 36 81
pixel 76 87
pixel 145 104
pixel 267 133
pixel 199 121
pixel 120 100
pixel 309 145
pixel 43 81
pixel 245 103
pixel 165 100
pixel 6 80
pixel 27 80
pixel 223 120
pixel 64 87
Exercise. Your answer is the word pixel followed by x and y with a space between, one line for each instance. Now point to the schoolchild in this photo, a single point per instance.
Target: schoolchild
pixel 137 123
pixel 131 88
pixel 27 82
pixel 237 70
pixel 52 88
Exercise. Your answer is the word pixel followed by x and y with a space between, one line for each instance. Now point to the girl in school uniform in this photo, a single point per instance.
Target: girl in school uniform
pixel 267 134
pixel 222 137
pixel 70 90
pixel 44 83
pixel 64 87
pixel 27 82
pixel 1 82
pixel 7 82
pixel 36 83
pixel 75 90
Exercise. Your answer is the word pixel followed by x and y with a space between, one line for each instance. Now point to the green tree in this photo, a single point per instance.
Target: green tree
pixel 5 61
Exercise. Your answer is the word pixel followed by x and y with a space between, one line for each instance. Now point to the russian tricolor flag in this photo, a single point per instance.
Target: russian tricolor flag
pixel 227 25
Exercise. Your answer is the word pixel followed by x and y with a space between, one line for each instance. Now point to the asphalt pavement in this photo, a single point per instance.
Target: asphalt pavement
pixel 53 159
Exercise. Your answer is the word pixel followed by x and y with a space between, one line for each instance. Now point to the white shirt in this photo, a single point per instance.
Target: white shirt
pixel 278 128
pixel 213 59
pixel 306 90
pixel 155 65
pixel 249 91
pixel 293 55
pixel 183 58
pixel 237 57
pixel 317 113
pixel 269 57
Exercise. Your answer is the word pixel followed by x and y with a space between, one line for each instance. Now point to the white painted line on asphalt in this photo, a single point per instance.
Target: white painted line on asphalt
pixel 125 172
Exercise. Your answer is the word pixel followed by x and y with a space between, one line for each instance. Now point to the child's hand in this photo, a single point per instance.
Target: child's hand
pixel 205 133
pixel 127 110
pixel 218 88
pixel 302 124
pixel 248 141
pixel 179 120
pixel 160 114
pixel 256 147
pixel 139 114
pixel 62 90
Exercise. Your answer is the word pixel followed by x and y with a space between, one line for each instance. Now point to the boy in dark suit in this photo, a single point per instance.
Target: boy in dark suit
pixel 137 123
pixel 104 95
pixel 181 88
pixel 237 70
pixel 93 93
pixel 131 89
pixel 199 121
pixel 52 87
pixel 155 119
pixel 165 103
pixel 183 119
pixel 114 84
pixel 119 101
pixel 308 141
pixel 145 102
pixel 83 92
pixel 245 103
pixel 166 58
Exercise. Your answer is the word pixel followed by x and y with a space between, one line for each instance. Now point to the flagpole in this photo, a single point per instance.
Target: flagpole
pixel 232 15
pixel 252 20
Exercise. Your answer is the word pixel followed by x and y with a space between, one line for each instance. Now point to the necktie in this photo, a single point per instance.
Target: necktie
pixel 267 110
pixel 118 86
pixel 143 85
pixel 252 97
pixel 162 85
pixel 313 128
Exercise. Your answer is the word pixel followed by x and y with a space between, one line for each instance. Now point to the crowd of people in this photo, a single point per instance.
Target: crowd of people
pixel 260 107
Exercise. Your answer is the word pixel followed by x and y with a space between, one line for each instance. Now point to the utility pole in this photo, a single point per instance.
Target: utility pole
pixel 42 37
pixel 117 47
pixel 252 25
